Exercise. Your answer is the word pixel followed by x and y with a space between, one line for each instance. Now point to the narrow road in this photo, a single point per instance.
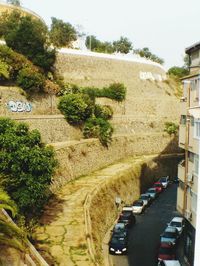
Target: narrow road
pixel 144 236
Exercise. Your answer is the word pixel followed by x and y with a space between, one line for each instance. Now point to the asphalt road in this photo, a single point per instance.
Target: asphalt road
pixel 144 236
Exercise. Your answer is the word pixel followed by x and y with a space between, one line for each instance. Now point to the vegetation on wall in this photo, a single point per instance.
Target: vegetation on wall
pixel 171 128
pixel 79 108
pixel 145 52
pixel 26 166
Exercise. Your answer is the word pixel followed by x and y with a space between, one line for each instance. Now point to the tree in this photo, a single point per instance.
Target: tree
pixel 145 52
pixel 26 166
pixel 61 33
pixel 14 2
pixel 178 72
pixel 27 36
pixel 123 45
pixel 96 45
pixel 10 234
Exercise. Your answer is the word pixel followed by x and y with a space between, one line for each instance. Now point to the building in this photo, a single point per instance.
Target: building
pixel 189 136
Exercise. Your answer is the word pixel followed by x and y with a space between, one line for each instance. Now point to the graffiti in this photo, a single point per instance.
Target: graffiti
pixel 19 106
pixel 152 76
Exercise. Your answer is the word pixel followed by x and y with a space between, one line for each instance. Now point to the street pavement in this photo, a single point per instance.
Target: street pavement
pixel 145 235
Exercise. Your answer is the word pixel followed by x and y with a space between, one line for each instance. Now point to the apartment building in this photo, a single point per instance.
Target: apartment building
pixel 189 136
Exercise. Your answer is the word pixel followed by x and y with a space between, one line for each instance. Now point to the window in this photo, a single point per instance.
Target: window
pixel 194 202
pixel 192 121
pixel 197 129
pixel 191 157
pixel 196 164
pixel 183 120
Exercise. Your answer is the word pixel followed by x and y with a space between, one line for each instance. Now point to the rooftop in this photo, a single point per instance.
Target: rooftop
pixel 192 48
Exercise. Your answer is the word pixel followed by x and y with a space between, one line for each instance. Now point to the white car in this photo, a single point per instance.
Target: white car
pixel 178 223
pixel 138 206
pixel 145 198
pixel 164 180
pixel 169 263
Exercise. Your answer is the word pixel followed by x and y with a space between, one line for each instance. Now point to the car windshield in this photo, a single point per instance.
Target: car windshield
pixel 157 185
pixel 144 197
pixel 117 240
pixel 151 190
pixel 169 234
pixel 138 204
pixel 126 214
pixel 163 179
pixel 175 224
pixel 119 227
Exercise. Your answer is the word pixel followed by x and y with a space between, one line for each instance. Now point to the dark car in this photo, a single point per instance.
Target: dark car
pixel 170 234
pixel 166 251
pixel 127 218
pixel 118 245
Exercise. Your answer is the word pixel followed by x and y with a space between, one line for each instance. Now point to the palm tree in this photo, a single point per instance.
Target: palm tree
pixel 10 234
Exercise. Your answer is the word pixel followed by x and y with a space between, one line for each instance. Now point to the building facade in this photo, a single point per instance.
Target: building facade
pixel 189 135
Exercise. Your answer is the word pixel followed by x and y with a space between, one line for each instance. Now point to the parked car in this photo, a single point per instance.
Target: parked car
pixel 120 230
pixel 178 223
pixel 166 251
pixel 146 198
pixel 152 193
pixel 170 234
pixel 138 206
pixel 128 208
pixel 128 218
pixel 118 245
pixel 158 186
pixel 169 263
pixel 165 181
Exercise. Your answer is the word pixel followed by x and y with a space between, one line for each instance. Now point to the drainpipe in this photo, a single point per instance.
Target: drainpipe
pixel 197 235
pixel 186 151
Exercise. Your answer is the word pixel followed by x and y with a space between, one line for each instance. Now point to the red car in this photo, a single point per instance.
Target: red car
pixel 166 251
pixel 158 186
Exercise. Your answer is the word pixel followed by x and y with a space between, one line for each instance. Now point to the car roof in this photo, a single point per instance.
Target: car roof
pixel 170 229
pixel 172 263
pixel 177 219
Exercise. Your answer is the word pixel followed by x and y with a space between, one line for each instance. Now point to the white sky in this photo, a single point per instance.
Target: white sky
pixel 167 27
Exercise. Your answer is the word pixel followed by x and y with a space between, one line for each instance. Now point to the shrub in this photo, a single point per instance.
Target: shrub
pixel 51 87
pixel 171 128
pixel 26 166
pixel 116 91
pixel 76 108
pixel 104 112
pixel 4 71
pixel 30 80
pixel 98 128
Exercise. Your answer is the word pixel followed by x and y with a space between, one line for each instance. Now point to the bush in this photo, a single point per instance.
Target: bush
pixel 104 112
pixel 51 87
pixel 98 128
pixel 116 91
pixel 30 80
pixel 171 128
pixel 26 166
pixel 4 71
pixel 76 108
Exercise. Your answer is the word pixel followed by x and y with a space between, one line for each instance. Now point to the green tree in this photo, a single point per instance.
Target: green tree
pixel 26 166
pixel 61 33
pixel 14 2
pixel 10 235
pixel 145 52
pixel 27 36
pixel 123 45
pixel 178 72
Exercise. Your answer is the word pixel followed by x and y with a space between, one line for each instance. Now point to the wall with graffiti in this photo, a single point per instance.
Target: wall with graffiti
pixel 19 106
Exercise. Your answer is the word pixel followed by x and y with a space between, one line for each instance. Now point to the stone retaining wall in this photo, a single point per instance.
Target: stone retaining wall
pixel 79 158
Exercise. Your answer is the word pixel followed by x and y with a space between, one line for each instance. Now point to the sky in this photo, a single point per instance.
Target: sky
pixel 166 27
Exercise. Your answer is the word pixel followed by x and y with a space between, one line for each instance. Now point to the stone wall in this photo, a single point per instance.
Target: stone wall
pixel 83 157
